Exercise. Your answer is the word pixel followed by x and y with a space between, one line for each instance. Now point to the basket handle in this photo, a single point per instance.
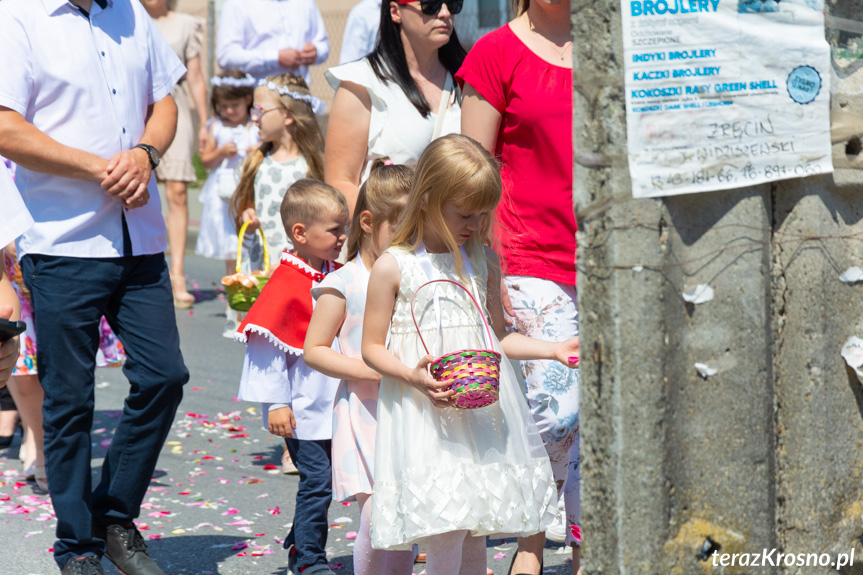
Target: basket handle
pixel 470 295
pixel 240 236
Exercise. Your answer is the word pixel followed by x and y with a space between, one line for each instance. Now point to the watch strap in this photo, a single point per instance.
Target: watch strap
pixel 149 149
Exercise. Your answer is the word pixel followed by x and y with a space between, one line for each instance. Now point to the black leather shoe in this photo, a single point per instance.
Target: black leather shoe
pixel 88 565
pixel 125 548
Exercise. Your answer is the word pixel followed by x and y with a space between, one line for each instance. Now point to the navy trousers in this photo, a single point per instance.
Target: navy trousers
pixel 70 295
pixel 313 459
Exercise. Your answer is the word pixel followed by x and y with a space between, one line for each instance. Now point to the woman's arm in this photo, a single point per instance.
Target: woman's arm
pixel 326 321
pixel 479 119
pixel 383 287
pixel 347 140
pixel 198 88
pixel 515 345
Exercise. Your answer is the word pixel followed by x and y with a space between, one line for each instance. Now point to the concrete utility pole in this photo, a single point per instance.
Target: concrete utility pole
pixel 767 453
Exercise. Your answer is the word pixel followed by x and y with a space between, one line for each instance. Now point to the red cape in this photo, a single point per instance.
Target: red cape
pixel 283 310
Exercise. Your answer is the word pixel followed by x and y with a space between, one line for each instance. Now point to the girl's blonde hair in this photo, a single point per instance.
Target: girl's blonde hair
pixel 305 132
pixel 306 200
pixel 452 168
pixel 384 194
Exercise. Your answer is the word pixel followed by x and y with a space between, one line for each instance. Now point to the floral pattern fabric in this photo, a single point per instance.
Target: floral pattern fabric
pixel 110 353
pixel 548 310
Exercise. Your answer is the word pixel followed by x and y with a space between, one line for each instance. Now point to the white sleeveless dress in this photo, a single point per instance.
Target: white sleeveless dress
pixel 396 129
pixel 484 470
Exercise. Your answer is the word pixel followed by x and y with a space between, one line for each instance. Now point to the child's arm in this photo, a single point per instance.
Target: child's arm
pixel 515 345
pixel 211 155
pixel 325 324
pixel 383 287
pixel 10 308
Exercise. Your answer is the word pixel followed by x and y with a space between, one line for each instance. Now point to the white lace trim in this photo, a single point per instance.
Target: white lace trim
pixel 518 500
pixel 242 337
pixel 317 104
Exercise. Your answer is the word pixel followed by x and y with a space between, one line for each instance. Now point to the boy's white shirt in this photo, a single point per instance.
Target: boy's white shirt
pixel 272 376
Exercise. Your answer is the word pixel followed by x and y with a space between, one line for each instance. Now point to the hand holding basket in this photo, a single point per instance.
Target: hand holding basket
pixel 243 290
pixel 473 374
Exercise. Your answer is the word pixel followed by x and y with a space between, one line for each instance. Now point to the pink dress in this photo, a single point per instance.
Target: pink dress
pixel 355 412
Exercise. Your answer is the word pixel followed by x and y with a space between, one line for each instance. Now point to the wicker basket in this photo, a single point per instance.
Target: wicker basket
pixel 242 297
pixel 474 374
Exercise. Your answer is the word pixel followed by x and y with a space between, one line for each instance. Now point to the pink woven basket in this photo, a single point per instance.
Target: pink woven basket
pixel 474 374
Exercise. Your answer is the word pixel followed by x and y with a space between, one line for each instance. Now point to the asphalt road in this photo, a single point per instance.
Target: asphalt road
pixel 214 505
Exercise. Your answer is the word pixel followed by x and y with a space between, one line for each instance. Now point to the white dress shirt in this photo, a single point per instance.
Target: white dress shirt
pixel 87 84
pixel 14 217
pixel 273 376
pixel 251 33
pixel 361 31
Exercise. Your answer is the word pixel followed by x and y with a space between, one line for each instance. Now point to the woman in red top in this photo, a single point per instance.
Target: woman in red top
pixel 517 85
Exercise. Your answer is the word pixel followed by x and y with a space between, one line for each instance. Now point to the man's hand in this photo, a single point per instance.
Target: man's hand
pixel 308 54
pixel 128 176
pixel 290 58
pixel 282 422
pixel 8 350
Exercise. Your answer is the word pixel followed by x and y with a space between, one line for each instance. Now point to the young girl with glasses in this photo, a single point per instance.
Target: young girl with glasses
pixel 291 149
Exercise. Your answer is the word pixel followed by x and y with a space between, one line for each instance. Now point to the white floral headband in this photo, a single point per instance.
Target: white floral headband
pixel 317 104
pixel 219 81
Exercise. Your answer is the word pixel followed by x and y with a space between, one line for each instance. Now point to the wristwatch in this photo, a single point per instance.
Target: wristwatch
pixel 152 153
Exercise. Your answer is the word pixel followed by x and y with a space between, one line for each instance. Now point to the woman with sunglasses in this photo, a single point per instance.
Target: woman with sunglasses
pixel 399 98
pixel 517 84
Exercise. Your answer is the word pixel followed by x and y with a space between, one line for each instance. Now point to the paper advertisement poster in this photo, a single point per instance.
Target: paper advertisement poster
pixel 723 94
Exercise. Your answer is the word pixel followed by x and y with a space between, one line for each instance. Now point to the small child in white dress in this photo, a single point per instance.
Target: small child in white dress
pixel 444 475
pixel 231 137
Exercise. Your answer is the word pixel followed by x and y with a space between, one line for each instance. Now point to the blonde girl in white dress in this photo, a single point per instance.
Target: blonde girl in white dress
pixel 451 476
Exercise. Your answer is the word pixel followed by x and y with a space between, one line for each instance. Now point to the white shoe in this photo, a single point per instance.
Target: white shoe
pixel 288 467
pixel 557 530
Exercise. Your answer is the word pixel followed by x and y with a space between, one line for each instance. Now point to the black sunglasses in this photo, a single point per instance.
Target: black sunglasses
pixel 432 7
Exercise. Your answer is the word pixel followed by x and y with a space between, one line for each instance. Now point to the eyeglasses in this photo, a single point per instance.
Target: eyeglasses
pixel 432 7
pixel 258 112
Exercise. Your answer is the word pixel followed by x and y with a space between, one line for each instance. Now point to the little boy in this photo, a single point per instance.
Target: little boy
pixel 297 402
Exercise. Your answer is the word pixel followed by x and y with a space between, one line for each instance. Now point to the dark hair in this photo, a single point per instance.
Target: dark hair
pixel 389 63
pixel 230 92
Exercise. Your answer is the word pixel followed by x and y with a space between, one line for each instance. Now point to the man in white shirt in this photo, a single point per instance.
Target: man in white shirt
pixel 361 31
pixel 14 221
pixel 268 37
pixel 85 109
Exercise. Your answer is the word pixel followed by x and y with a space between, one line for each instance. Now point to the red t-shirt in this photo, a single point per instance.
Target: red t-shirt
pixel 535 218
